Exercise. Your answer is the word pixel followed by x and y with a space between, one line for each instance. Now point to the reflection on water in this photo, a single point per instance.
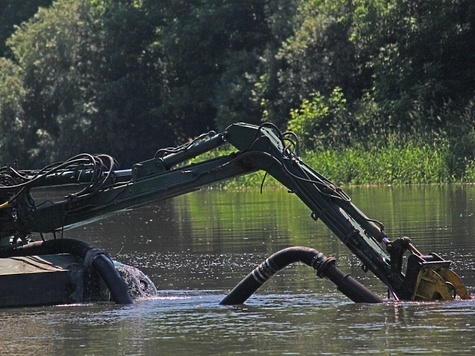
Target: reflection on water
pixel 198 246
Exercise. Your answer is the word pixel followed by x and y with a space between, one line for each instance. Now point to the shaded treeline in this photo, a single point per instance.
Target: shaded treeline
pixel 126 77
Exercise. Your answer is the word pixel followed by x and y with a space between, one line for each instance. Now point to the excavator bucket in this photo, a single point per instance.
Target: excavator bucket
pixel 434 280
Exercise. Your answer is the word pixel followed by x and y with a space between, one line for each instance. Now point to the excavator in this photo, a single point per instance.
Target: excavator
pixel 58 270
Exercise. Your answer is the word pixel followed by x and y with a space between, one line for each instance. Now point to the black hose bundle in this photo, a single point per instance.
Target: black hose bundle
pixel 324 266
pixel 94 258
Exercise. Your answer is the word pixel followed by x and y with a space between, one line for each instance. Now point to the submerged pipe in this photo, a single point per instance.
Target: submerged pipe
pixel 94 258
pixel 324 266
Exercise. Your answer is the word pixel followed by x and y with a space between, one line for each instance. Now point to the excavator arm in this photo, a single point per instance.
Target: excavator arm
pixel 106 190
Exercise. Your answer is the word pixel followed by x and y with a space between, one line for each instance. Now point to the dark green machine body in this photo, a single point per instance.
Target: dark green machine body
pixel 102 189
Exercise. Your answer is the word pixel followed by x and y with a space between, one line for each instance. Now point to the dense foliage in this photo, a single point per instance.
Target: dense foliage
pixel 128 76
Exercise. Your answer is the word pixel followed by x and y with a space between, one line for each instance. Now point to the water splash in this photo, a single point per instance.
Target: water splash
pixel 139 284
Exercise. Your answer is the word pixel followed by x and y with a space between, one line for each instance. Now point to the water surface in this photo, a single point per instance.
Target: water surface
pixel 198 246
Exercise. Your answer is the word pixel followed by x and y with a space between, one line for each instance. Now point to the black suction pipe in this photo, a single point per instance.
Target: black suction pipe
pixel 324 266
pixel 93 257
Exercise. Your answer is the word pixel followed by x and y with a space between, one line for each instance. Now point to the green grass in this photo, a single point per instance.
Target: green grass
pixel 391 165
pixel 407 164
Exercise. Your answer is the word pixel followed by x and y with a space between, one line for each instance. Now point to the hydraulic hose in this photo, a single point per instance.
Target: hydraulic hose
pixel 94 258
pixel 325 267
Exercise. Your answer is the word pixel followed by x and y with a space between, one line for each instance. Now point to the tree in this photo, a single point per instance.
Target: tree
pixel 211 50
pixel 317 57
pixel 128 76
pixel 52 50
pixel 11 141
pixel 281 19
pixel 12 14
pixel 89 82
pixel 421 55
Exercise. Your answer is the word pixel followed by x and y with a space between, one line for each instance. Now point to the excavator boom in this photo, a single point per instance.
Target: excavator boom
pixel 105 190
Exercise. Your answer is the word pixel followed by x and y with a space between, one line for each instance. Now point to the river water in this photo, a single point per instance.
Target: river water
pixel 198 246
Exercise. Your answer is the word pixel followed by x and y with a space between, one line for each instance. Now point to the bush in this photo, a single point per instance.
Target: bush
pixel 323 122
